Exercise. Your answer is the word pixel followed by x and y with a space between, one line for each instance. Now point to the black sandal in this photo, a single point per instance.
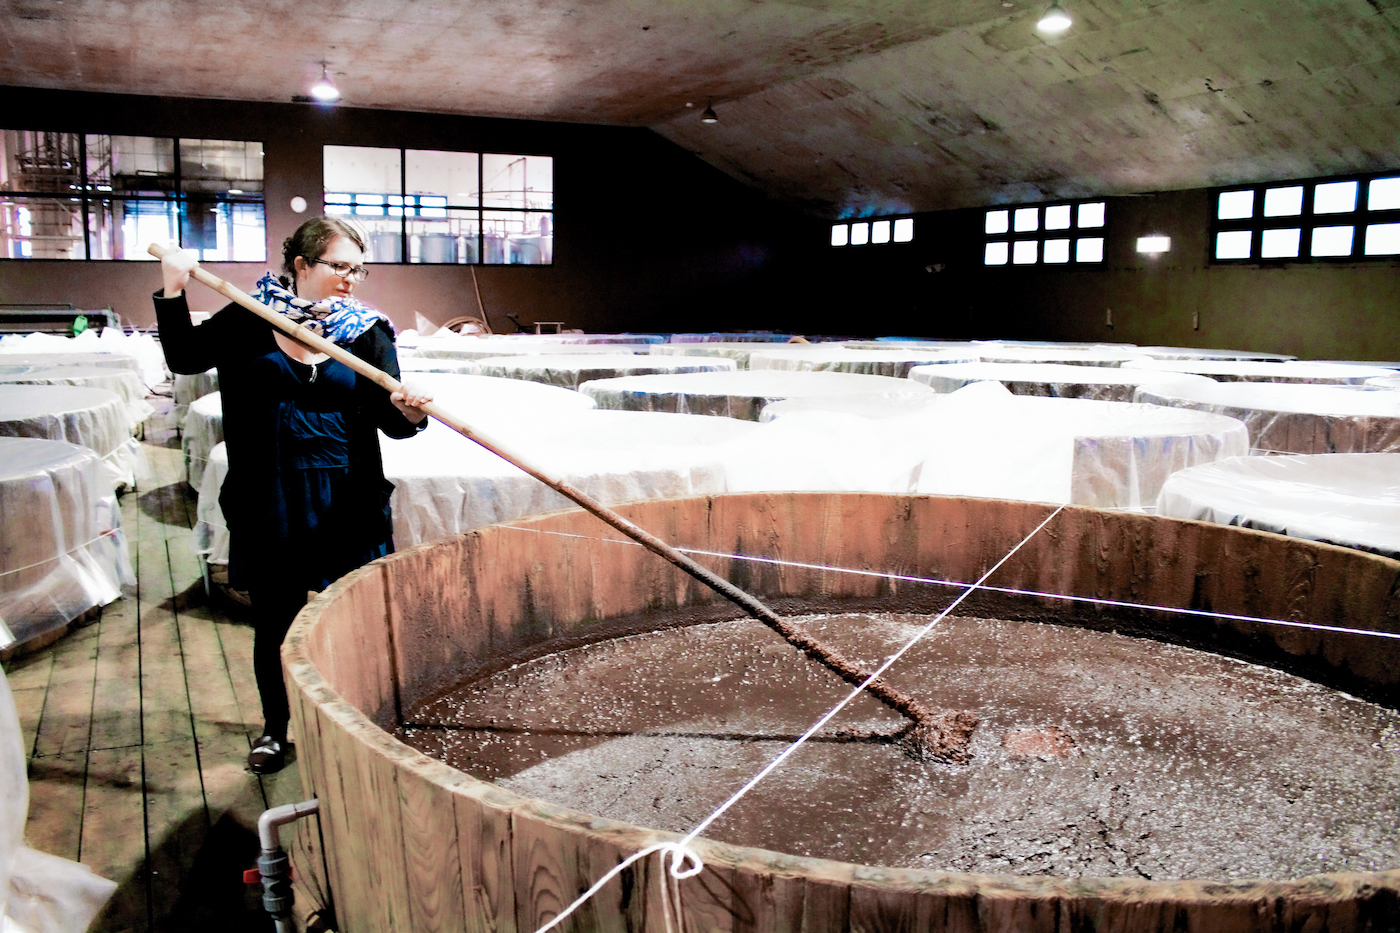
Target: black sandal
pixel 268 756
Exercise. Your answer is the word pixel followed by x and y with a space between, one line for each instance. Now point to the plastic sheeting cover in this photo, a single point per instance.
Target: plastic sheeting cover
pixel 123 382
pixel 204 428
pixel 112 347
pixel 1191 353
pixel 93 418
pixel 1051 380
pixel 184 389
pixel 1347 499
pixel 1297 419
pixel 983 441
pixel 739 395
pixel 72 554
pixel 893 361
pixel 1265 371
pixel 569 371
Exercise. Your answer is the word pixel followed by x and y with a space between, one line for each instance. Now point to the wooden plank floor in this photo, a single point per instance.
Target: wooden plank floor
pixel 137 727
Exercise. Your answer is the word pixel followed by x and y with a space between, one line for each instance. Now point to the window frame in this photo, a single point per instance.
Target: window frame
pixel 482 211
pixel 1307 221
pixel 849 225
pixel 1022 231
pixel 95 199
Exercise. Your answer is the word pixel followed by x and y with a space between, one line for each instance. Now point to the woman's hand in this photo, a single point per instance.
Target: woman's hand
pixel 410 402
pixel 175 268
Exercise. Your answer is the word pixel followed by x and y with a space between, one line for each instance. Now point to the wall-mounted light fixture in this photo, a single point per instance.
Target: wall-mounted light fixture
pixel 1154 244
pixel 709 116
pixel 1055 19
pixel 324 89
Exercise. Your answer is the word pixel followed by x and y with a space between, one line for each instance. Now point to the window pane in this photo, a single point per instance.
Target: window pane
pixel 840 234
pixel 1027 219
pixel 41 228
pixel 998 222
pixel 133 165
pixel 904 230
pixel 39 162
pixel 448 175
pixel 517 181
pixel 1025 252
pixel 1283 202
pixel 1383 239
pixel 518 237
pixel 1383 194
pixel 1234 244
pixel 1058 217
pixel 996 254
pixel 221 166
pixel 1279 244
pixel 1338 197
pixel 123 229
pixel 1091 214
pixel 1332 241
pixel 1154 244
pixel 450 237
pixel 362 168
pixel 1057 250
pixel 1089 249
pixel 1235 205
pixel 880 231
pixel 860 234
pixel 385 238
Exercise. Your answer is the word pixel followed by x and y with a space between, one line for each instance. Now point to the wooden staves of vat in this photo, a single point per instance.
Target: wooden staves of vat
pixel 411 843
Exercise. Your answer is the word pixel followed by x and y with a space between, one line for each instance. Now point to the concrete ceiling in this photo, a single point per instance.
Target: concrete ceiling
pixel 840 107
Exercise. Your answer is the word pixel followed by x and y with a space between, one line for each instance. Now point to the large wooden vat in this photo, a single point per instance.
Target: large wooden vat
pixel 412 844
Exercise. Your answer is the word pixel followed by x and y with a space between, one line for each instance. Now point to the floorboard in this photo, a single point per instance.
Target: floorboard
pixel 138 723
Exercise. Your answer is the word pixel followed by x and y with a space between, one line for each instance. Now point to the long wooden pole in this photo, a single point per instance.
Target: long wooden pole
pixel 848 670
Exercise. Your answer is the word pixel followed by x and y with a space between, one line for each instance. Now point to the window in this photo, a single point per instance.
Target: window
pixel 430 206
pixel 94 196
pixel 1056 234
pixel 876 232
pixel 1307 221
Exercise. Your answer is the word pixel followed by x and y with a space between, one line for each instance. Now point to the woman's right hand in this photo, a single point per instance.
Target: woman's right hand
pixel 175 267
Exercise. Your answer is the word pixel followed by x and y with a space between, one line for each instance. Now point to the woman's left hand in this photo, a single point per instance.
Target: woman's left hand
pixel 410 401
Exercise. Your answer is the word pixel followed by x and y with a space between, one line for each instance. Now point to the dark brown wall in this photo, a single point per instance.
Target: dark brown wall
pixel 1315 311
pixel 647 237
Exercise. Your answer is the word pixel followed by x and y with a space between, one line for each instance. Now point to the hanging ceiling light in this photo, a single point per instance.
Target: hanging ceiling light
pixel 709 116
pixel 1055 19
pixel 323 89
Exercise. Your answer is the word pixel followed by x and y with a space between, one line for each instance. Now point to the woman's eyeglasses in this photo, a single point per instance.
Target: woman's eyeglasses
pixel 345 270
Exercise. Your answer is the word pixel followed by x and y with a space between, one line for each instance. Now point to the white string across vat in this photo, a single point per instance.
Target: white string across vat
pixel 680 853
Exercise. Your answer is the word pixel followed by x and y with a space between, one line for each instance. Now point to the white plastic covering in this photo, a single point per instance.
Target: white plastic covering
pixel 569 370
pixel 1052 353
pixel 39 893
pixel 184 389
pixel 450 346
pixel 895 361
pixel 741 337
pixel 1347 499
pixel 445 484
pixel 1191 353
pixel 93 418
pixel 739 352
pixel 137 351
pixel 983 441
pixel 427 364
pixel 482 398
pixel 204 428
pixel 1265 371
pixel 1297 419
pixel 1384 382
pixel 1051 380
pixel 123 382
pixel 64 550
pixel 737 394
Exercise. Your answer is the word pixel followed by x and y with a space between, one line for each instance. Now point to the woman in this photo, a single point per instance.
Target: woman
pixel 305 498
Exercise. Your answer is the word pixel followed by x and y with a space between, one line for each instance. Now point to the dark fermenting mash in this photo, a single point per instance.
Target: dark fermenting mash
pixel 1095 755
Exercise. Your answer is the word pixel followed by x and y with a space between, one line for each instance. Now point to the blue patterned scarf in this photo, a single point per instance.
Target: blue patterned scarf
pixel 337 319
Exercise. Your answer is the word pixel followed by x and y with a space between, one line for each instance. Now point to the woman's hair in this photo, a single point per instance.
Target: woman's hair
pixel 312 240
